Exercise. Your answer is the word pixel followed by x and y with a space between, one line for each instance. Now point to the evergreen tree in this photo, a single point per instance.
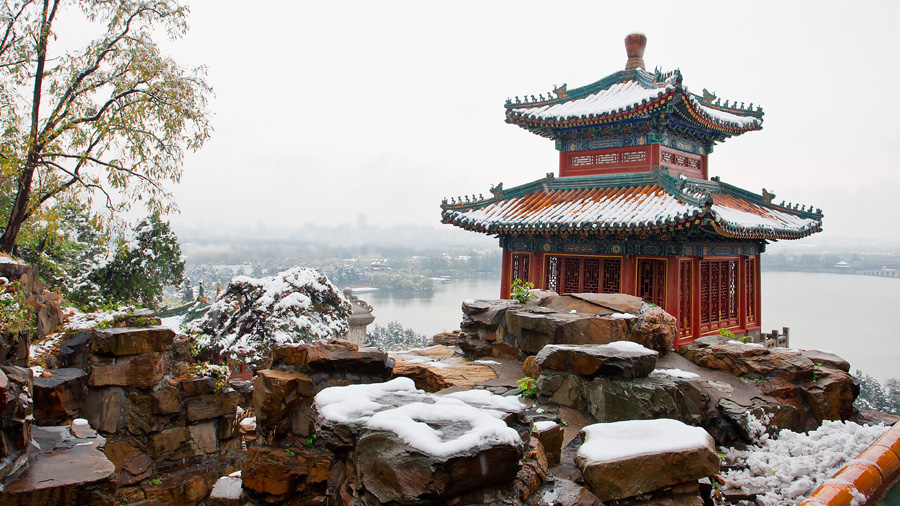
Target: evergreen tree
pixel 395 337
pixel 143 264
pixel 873 396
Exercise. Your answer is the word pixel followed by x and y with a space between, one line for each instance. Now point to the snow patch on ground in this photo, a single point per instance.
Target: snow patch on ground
pixel 676 373
pixel 793 465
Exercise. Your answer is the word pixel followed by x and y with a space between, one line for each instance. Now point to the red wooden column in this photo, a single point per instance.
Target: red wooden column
pixel 629 275
pixel 695 304
pixel 505 273
pixel 536 270
pixel 758 273
pixel 742 293
pixel 673 295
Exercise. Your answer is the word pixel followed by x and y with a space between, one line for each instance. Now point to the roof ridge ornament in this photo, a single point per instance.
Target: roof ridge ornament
pixel 561 91
pixel 635 43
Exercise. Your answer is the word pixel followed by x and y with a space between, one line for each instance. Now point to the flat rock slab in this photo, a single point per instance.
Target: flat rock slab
pixel 436 368
pixel 488 312
pixel 614 302
pixel 826 359
pixel 68 470
pixel 333 355
pixel 132 340
pixel 753 360
pixel 621 359
pixel 570 303
pixel 625 459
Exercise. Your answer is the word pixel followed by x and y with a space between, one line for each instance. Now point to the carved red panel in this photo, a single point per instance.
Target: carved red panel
pixel 571 275
pixel 612 275
pixel 751 291
pixel 718 293
pixel 652 281
pixel 591 278
pixel 520 263
pixel 553 268
pixel 705 307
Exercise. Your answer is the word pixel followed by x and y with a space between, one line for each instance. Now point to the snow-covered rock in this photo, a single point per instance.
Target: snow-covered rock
pixel 252 315
pixel 625 459
pixel 408 444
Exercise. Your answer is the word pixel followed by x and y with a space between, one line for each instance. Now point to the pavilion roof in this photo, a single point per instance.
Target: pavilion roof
pixel 637 202
pixel 626 95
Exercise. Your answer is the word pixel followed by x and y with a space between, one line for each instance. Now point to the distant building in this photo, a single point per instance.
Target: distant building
pixel 842 265
pixel 632 209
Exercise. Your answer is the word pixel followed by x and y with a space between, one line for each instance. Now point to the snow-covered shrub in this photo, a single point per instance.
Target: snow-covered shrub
pixel 394 337
pixel 251 315
pixel 874 397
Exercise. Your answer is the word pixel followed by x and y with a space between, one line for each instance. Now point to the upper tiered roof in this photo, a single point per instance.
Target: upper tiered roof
pixel 632 94
pixel 631 203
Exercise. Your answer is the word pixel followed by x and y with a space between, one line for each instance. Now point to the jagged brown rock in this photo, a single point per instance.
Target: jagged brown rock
pixel 626 361
pixel 59 395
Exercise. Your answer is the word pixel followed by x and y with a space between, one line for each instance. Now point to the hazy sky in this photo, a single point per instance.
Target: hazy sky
pixel 328 110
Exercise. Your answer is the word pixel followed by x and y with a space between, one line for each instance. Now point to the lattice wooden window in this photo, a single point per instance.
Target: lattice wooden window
pixel 652 281
pixel 752 313
pixel 718 294
pixel 583 274
pixel 571 275
pixel 612 275
pixel 553 268
pixel 520 263
pixel 686 298
pixel 590 280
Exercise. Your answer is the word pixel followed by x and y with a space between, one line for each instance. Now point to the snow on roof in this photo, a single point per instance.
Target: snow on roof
pixel 470 419
pixel 613 208
pixel 618 98
pixel 723 117
pixel 629 202
pixel 745 215
pixel 607 442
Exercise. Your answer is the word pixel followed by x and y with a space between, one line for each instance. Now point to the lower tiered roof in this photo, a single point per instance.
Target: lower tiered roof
pixel 639 202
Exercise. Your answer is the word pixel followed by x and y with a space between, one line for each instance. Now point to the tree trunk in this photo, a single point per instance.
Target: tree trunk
pixel 23 189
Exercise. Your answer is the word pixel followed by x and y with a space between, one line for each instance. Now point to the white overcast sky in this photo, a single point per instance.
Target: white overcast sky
pixel 324 111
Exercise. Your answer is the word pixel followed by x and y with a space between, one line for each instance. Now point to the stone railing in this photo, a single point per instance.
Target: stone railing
pixel 776 339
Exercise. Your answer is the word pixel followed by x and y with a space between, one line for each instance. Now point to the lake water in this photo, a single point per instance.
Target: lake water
pixel 852 316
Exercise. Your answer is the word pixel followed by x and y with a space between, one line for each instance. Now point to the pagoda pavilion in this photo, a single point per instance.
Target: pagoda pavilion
pixel 632 209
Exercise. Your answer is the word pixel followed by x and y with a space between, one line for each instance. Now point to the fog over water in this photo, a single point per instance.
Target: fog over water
pixel 851 315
